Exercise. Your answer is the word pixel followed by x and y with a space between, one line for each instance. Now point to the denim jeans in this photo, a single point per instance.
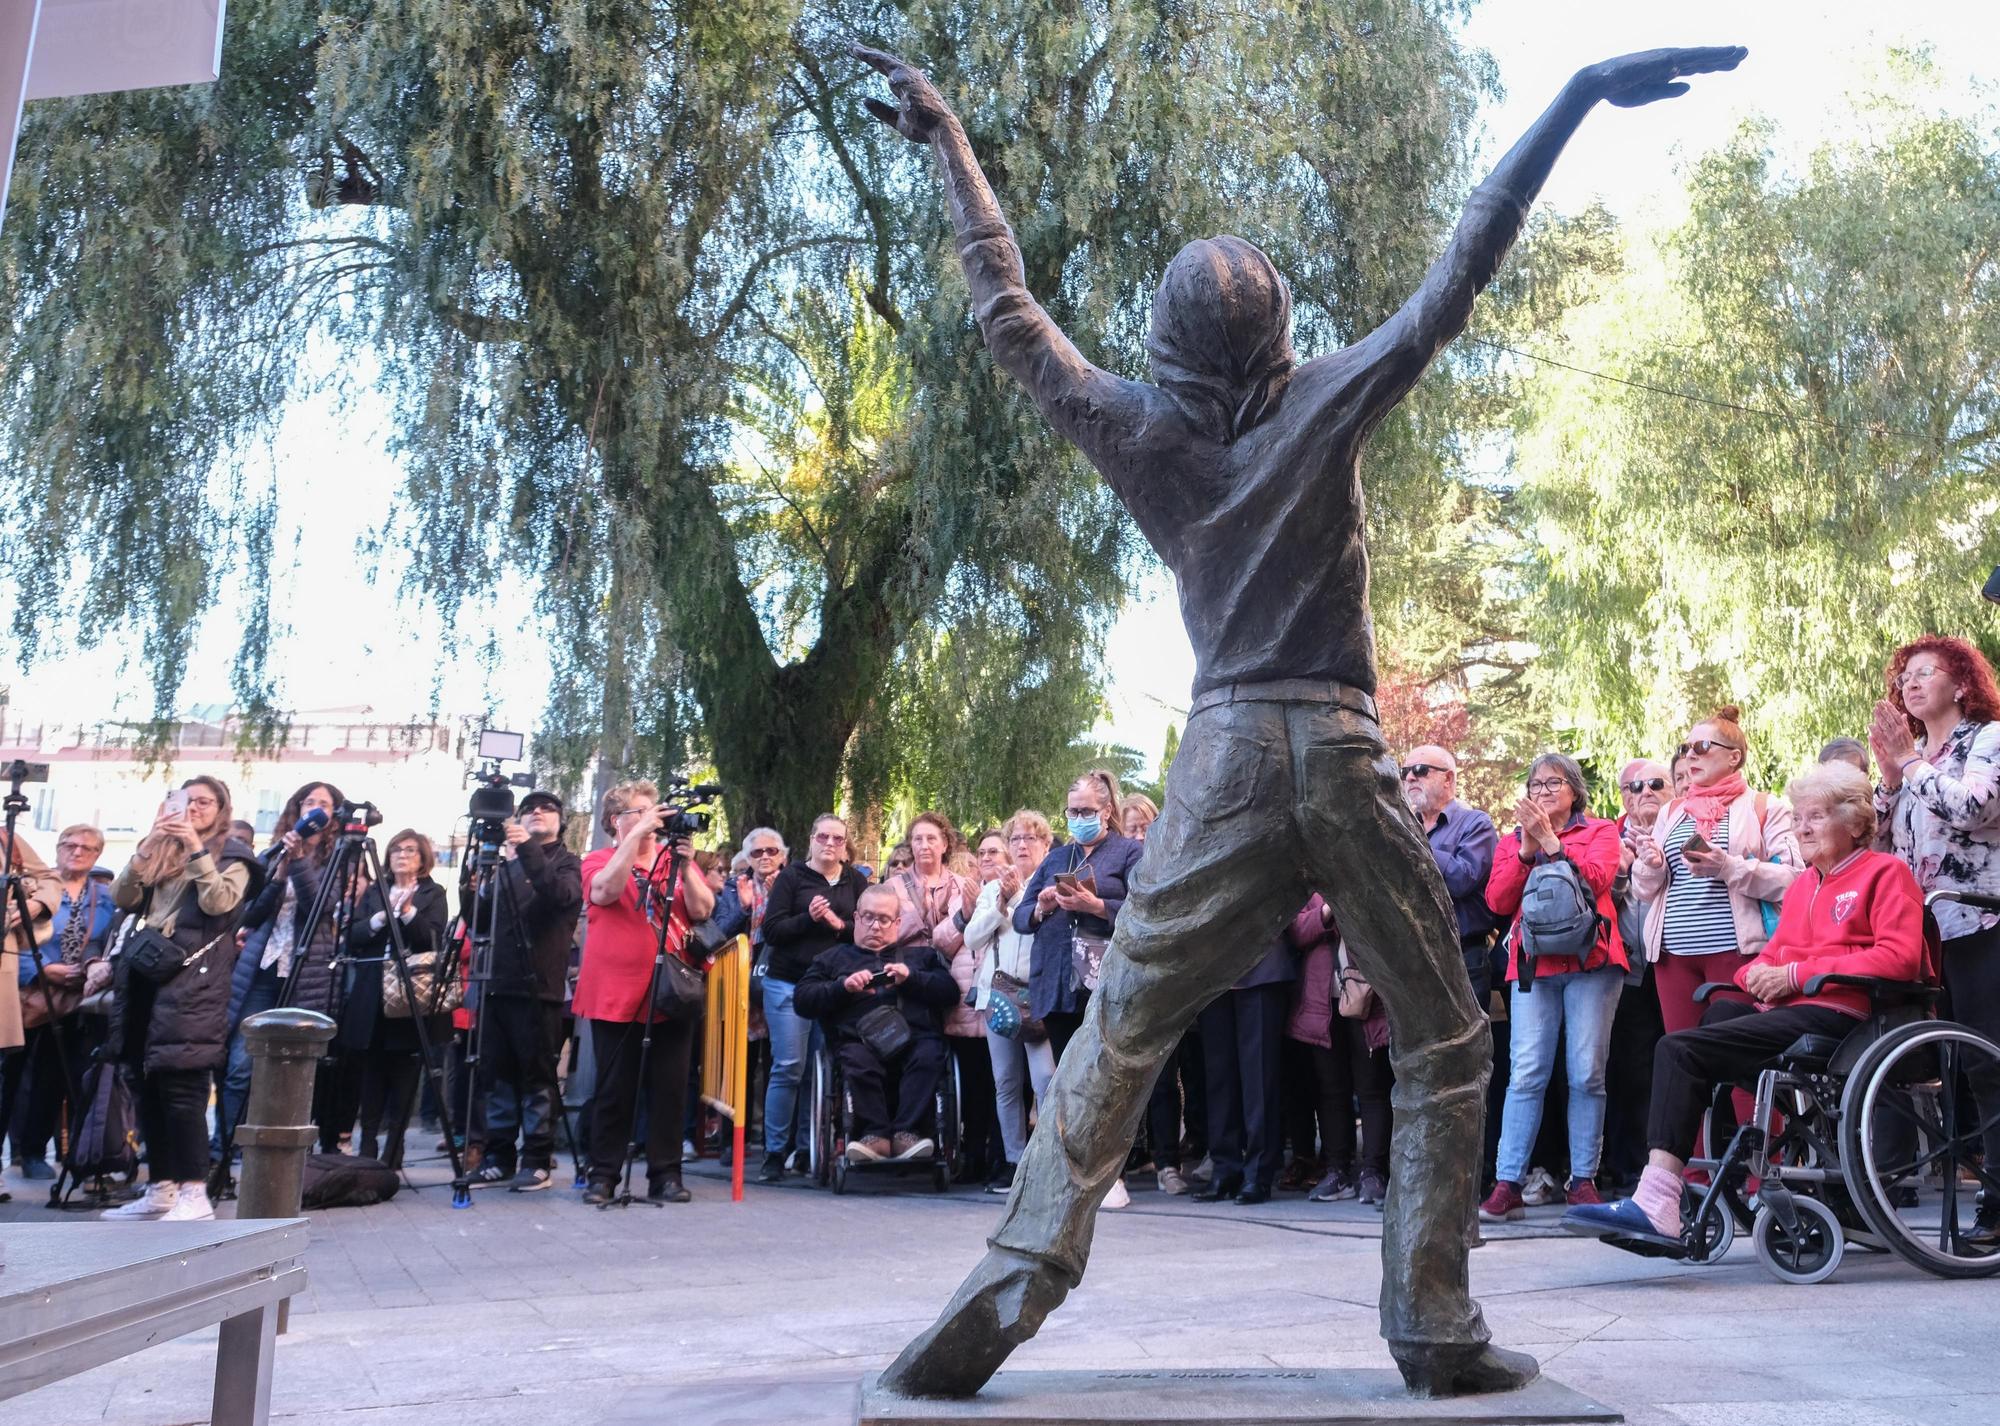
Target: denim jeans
pixel 790 1033
pixel 262 995
pixel 1018 1070
pixel 1579 1005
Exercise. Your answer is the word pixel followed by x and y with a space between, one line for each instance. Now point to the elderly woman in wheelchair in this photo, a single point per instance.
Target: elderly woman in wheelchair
pixel 1858 1089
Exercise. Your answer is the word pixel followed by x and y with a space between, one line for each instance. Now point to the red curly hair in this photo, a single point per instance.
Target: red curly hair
pixel 1963 664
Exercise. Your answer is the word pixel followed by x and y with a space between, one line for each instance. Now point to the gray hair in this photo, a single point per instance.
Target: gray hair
pixel 1567 767
pixel 756 832
pixel 1843 790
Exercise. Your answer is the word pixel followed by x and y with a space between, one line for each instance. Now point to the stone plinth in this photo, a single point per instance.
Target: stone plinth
pixel 1225 1396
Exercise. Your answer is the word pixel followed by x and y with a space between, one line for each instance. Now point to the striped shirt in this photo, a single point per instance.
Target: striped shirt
pixel 1699 919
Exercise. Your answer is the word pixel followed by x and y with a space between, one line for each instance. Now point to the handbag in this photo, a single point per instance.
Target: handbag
pixel 1356 995
pixel 1086 957
pixel 884 1030
pixel 1007 1011
pixel 154 958
pixel 425 967
pixel 680 992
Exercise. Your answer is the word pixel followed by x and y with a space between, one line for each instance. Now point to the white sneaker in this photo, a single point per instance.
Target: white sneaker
pixel 158 1202
pixel 1541 1189
pixel 1119 1197
pixel 192 1206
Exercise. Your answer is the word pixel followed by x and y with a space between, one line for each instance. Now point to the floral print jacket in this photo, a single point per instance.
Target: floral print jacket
pixel 1944 821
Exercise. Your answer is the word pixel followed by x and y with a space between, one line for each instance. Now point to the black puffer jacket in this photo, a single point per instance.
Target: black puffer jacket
pixel 925 998
pixel 535 922
pixel 184 1024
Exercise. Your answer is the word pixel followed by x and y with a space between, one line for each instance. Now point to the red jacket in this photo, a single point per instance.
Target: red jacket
pixel 1592 844
pixel 1867 918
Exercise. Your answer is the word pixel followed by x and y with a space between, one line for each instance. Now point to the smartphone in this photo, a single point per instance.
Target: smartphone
pixel 177 802
pixel 1066 882
pixel 1696 843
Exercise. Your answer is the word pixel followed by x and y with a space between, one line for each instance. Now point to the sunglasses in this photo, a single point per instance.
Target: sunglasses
pixel 767 851
pixel 1702 747
pixel 1422 770
pixel 1641 784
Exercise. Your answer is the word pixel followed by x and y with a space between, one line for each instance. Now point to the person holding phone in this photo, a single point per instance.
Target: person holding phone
pixel 1714 860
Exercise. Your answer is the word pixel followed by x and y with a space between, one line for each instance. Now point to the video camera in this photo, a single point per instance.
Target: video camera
pixel 686 808
pixel 492 802
pixel 357 816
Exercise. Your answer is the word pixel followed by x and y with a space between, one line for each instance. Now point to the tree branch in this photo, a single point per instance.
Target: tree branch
pixel 872 206
pixel 736 304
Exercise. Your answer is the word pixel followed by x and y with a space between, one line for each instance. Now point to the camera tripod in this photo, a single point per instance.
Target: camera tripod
pixel 353 858
pixel 487 889
pixel 16 902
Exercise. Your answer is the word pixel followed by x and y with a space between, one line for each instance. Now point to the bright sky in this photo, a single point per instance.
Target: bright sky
pixel 353 642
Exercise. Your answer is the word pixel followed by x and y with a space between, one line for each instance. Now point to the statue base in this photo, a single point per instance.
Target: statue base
pixel 1226 1396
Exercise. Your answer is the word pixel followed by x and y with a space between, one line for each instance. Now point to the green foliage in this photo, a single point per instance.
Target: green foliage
pixel 1773 550
pixel 673 328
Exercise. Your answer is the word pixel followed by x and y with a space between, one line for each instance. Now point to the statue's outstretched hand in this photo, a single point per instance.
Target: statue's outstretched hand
pixel 1635 79
pixel 918 109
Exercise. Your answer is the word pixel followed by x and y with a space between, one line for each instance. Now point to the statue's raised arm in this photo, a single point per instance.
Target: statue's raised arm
pixel 1395 354
pixel 1086 404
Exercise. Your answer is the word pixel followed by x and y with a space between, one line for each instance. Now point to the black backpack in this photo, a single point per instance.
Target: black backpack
pixel 103 1135
pixel 343 1181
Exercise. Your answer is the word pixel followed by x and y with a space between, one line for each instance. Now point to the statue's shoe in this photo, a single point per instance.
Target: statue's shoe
pixel 998 1307
pixel 1435 1369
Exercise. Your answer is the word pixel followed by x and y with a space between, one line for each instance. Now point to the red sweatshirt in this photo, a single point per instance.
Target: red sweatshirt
pixel 1864 918
pixel 1592 844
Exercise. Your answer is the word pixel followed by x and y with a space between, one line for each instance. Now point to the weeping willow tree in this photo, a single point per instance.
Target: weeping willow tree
pixel 668 325
pixel 1804 474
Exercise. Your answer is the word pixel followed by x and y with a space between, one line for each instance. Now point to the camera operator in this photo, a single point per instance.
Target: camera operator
pixel 539 891
pixel 618 949
pixel 845 989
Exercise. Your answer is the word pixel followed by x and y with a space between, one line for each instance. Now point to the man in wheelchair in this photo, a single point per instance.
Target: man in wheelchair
pixel 882 1018
pixel 1855 912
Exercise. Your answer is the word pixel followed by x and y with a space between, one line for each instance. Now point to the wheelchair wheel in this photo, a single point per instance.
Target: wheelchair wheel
pixel 1806 1254
pixel 1717 1232
pixel 840 1175
pixel 949 1131
pixel 1901 1127
pixel 822 1123
pixel 940 1176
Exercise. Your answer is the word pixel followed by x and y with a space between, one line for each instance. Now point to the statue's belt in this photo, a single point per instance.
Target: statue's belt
pixel 1287 690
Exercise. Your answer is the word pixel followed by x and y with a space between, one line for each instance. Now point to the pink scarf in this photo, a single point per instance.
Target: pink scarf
pixel 1708 805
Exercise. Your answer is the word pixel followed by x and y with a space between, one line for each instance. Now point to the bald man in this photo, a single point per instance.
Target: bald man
pixel 1462 841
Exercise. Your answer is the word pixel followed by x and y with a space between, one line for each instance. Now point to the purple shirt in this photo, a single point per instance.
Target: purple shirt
pixel 1462 841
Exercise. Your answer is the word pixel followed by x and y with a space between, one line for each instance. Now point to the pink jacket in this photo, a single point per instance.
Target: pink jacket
pixel 1753 876
pixel 1312 1011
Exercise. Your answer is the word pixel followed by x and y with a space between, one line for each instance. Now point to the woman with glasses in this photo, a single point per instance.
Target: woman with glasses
pixel 1003 959
pixel 937 906
pixel 1936 738
pixel 1570 997
pixel 809 909
pixel 1713 871
pixel 51 991
pixel 187 883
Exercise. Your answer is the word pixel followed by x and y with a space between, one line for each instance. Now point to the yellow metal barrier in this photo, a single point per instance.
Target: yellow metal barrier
pixel 725 1047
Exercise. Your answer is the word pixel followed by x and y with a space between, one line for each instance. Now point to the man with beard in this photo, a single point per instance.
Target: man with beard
pixel 1242 469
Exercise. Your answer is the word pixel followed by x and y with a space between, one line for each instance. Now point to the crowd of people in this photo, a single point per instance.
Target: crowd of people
pixel 1584 936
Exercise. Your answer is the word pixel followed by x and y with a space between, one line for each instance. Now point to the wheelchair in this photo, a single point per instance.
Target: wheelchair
pixel 832 1120
pixel 1862 1139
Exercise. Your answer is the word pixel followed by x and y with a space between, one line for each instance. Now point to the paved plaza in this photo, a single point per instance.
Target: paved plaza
pixel 533 1309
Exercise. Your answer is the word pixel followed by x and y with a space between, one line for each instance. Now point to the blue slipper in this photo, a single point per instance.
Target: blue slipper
pixel 1621 1218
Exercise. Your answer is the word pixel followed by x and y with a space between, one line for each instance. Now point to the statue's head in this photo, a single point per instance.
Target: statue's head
pixel 1221 343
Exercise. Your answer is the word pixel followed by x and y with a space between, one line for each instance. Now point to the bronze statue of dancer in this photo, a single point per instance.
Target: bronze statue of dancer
pixel 1242 469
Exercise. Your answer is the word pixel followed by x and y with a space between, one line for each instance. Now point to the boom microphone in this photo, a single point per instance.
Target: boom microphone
pixel 314 819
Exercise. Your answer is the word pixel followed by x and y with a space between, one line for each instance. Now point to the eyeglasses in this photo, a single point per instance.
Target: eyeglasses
pixel 203 802
pixel 1917 675
pixel 1422 770
pixel 76 846
pixel 1640 784
pixel 875 918
pixel 1023 839
pixel 767 851
pixel 832 839
pixel 1084 811
pixel 1547 784
pixel 1702 747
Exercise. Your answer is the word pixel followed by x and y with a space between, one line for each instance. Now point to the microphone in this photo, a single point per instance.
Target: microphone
pixel 314 819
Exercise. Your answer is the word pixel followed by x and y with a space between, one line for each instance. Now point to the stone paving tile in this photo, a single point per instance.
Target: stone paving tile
pixel 538 1310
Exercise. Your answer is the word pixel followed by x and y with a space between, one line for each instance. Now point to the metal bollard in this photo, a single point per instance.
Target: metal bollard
pixel 277 1133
